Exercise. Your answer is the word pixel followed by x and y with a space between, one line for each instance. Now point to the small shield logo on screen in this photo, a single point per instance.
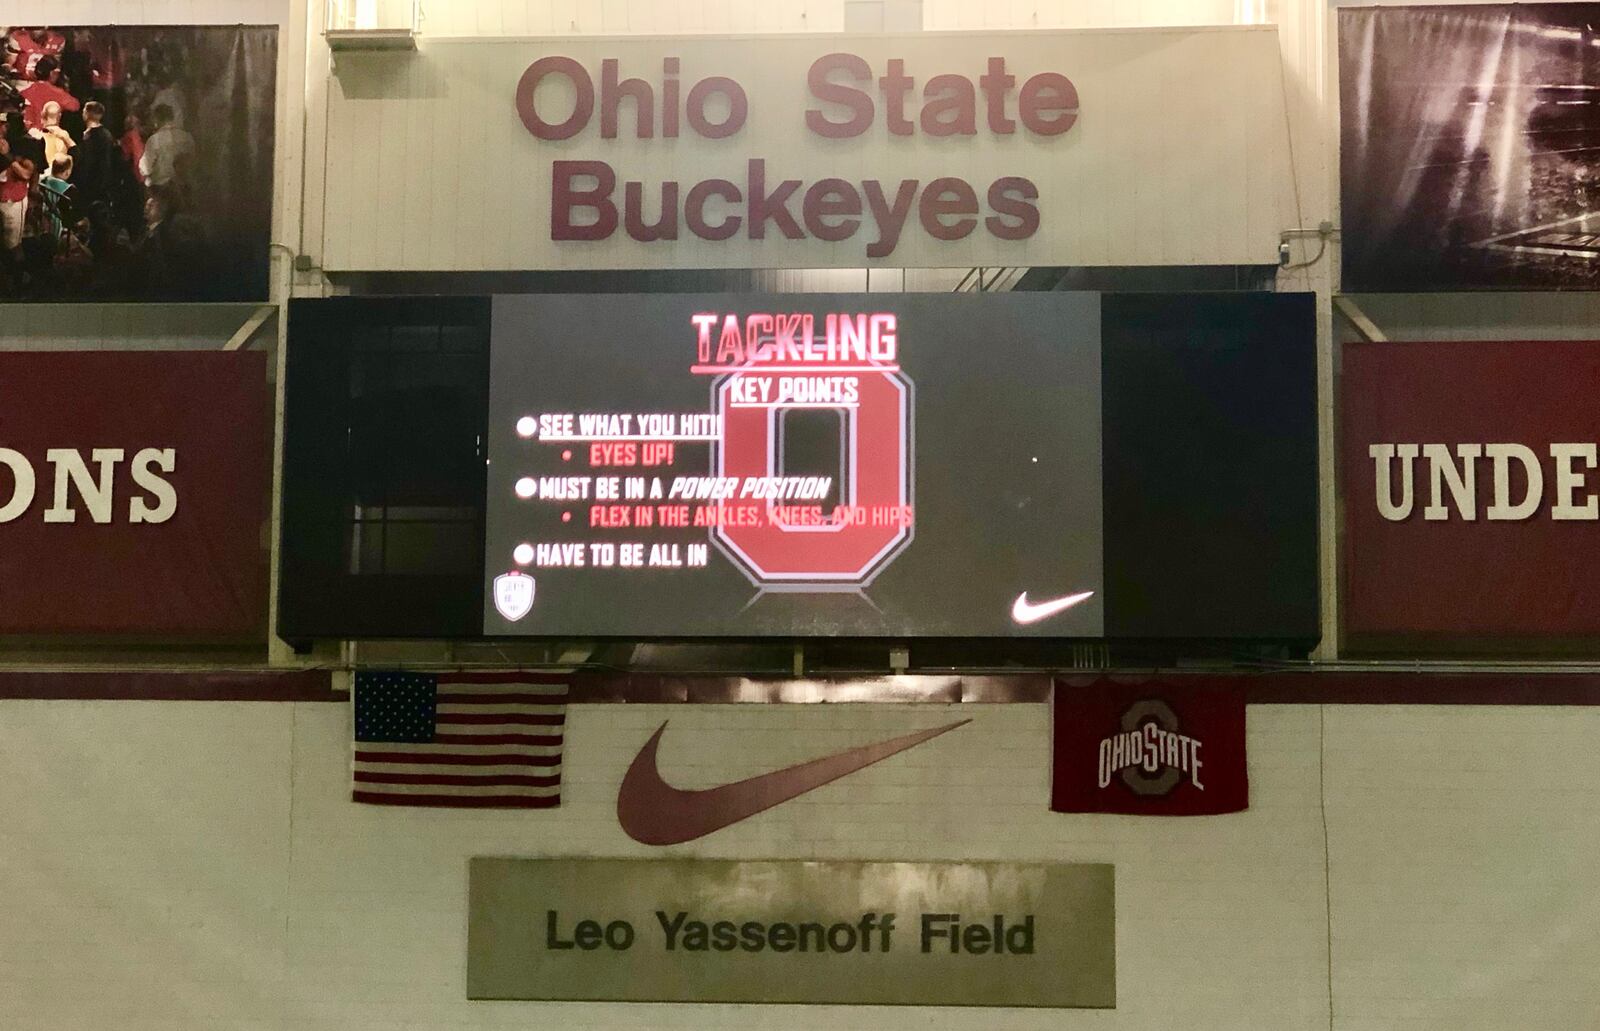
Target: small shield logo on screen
pixel 513 594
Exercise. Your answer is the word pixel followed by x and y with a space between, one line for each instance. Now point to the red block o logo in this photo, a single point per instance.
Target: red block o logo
pixel 877 450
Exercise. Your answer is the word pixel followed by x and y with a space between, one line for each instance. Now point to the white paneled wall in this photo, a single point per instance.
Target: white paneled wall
pixel 146 12
pixel 196 866
pixel 1073 14
pixel 1462 844
pixel 627 17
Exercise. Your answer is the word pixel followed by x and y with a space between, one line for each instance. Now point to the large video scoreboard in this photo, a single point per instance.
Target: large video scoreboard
pixel 794 464
pixel 892 465
pixel 1121 467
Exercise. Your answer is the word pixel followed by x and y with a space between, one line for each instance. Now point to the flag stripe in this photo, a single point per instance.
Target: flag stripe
pixel 516 677
pixel 524 721
pixel 464 780
pixel 488 737
pixel 472 747
pixel 461 801
pixel 498 759
pixel 477 731
pixel 553 703
pixel 460 791
pixel 538 692
pixel 457 769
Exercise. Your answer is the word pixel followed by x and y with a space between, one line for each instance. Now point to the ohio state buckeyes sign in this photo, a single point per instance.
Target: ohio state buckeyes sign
pixel 1471 495
pixel 133 490
pixel 813 150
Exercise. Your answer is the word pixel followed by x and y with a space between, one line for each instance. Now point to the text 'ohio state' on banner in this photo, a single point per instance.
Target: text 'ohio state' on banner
pixel 1125 147
pixel 1149 747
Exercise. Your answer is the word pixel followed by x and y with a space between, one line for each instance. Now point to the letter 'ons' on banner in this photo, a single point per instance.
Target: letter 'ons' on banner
pixel 1149 748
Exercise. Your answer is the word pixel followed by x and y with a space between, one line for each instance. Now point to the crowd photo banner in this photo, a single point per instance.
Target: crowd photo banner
pixel 1469 147
pixel 128 507
pixel 1469 487
pixel 136 162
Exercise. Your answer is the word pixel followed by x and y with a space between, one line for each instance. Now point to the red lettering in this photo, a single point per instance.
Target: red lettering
pixel 896 85
pixel 581 109
pixel 996 83
pixel 1048 104
pixel 829 198
pixel 948 196
pixel 694 209
pixel 613 454
pixel 612 93
pixel 855 100
pixel 1013 196
pixel 738 107
pixel 666 225
pixel 757 337
pixel 890 219
pixel 669 97
pixel 774 205
pixel 949 106
pixel 564 197
pixel 730 347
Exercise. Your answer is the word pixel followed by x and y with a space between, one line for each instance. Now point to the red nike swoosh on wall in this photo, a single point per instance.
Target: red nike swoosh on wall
pixel 654 812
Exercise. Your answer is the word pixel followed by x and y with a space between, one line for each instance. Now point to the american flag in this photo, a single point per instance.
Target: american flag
pixel 466 740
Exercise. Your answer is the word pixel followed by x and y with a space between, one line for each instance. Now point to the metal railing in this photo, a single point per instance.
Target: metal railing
pixel 988 280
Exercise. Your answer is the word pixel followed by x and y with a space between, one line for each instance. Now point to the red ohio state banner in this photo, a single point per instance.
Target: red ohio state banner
pixel 1158 747
pixel 1471 494
pixel 133 493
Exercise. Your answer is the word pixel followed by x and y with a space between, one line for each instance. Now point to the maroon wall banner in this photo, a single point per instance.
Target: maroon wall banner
pixel 1469 147
pixel 1469 487
pixel 136 162
pixel 133 493
pixel 1163 747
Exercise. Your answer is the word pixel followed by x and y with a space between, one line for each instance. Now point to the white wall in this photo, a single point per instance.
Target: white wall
pixel 1462 848
pixel 192 865
pixel 626 17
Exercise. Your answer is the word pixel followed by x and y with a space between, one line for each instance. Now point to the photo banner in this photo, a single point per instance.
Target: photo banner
pixel 1469 147
pixel 136 162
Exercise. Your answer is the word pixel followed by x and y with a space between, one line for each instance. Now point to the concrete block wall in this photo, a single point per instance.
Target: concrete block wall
pixel 196 866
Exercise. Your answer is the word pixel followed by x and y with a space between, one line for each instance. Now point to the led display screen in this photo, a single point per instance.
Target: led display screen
pixel 752 465
pixel 970 467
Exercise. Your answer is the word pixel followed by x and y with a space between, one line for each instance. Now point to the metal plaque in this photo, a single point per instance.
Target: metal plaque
pixel 785 931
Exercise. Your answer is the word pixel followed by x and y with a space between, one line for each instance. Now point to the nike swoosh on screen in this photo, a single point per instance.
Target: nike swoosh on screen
pixel 1024 612
pixel 654 812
